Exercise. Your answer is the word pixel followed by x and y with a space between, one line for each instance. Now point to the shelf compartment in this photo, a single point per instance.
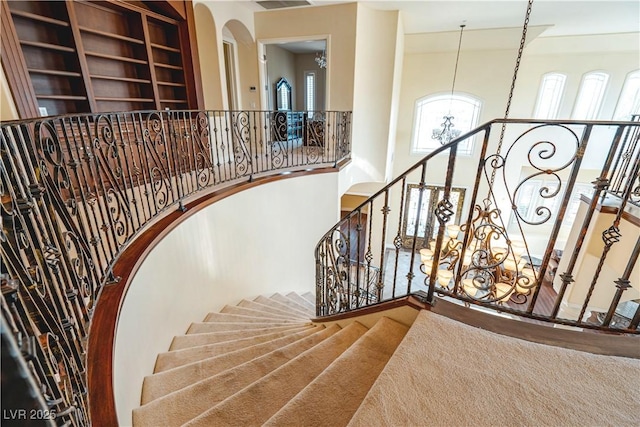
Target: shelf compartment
pixel 116 58
pixel 110 35
pixel 47 46
pixel 168 66
pixel 63 97
pixel 54 72
pixel 171 84
pixel 40 18
pixel 110 99
pixel 120 79
pixel 164 47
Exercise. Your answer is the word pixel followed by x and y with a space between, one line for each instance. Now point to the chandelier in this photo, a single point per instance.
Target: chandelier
pixel 321 59
pixel 479 259
pixel 445 134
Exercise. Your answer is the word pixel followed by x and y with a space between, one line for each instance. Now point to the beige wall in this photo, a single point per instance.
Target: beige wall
pixel 338 21
pixel 281 63
pixel 259 241
pixel 211 52
pixel 486 74
pixel 7 107
pixel 307 62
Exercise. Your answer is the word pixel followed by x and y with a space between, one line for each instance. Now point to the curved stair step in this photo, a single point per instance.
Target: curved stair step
pixel 172 359
pixel 181 406
pixel 224 317
pixel 335 395
pixel 206 327
pixel 196 340
pixel 231 309
pixel 272 309
pixel 256 403
pixel 163 383
pixel 291 303
pixel 301 300
pixel 310 297
pixel 282 306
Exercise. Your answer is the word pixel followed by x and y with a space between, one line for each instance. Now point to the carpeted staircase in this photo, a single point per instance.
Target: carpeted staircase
pixel 262 362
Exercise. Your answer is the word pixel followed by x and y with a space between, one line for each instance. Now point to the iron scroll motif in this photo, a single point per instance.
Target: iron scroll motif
pixel 75 191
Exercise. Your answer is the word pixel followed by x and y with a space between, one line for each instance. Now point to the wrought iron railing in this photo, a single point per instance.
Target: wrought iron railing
pixel 76 190
pixel 485 230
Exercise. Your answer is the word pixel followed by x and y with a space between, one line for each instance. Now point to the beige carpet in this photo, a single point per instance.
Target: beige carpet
pixel 464 376
pixel 263 363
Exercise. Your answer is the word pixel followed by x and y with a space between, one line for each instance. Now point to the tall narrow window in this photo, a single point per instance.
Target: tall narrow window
pixel 429 116
pixel 310 92
pixel 549 96
pixel 629 101
pixel 590 96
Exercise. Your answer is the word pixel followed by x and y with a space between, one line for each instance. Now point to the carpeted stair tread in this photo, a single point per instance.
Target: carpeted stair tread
pixel 288 301
pixel 230 309
pixel 335 395
pixel 300 300
pixel 162 383
pixel 271 309
pixel 310 297
pixel 224 317
pixel 282 306
pixel 206 327
pixel 482 378
pixel 256 403
pixel 195 340
pixel 182 405
pixel 172 359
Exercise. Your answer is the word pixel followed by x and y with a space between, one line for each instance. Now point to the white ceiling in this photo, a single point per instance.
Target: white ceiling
pixel 551 17
pixel 567 17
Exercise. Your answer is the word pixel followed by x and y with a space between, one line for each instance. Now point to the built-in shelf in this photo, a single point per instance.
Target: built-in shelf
pixel 63 97
pixel 40 18
pixel 120 79
pixel 98 55
pixel 54 72
pixel 164 47
pixel 169 66
pixel 109 99
pixel 47 46
pixel 110 35
pixel 171 84
pixel 115 57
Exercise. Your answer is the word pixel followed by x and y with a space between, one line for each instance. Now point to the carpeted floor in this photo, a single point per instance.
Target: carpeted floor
pixel 263 363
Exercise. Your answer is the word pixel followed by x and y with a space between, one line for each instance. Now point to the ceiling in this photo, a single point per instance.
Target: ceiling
pixel 562 17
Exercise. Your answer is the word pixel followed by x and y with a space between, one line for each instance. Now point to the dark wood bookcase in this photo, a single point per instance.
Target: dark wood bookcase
pixel 99 56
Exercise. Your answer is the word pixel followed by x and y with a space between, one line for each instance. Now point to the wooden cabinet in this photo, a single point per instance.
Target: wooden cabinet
pixel 84 56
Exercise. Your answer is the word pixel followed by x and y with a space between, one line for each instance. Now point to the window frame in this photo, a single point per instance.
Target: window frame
pixel 594 109
pixel 308 74
pixel 618 114
pixel 556 98
pixel 466 149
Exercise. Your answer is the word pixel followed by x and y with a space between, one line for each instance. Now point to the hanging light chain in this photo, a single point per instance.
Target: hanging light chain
pixel 455 70
pixel 523 40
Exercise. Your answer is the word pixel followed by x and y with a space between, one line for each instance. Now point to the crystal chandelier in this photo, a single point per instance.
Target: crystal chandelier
pixel 321 59
pixel 445 134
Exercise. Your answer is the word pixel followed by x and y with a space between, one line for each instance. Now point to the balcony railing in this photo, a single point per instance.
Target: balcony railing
pixel 539 224
pixel 77 190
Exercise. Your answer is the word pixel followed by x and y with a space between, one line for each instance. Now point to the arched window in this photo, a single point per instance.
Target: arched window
pixel 429 116
pixel 549 96
pixel 590 96
pixel 629 101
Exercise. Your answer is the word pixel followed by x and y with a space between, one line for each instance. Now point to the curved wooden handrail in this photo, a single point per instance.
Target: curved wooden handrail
pixel 105 319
